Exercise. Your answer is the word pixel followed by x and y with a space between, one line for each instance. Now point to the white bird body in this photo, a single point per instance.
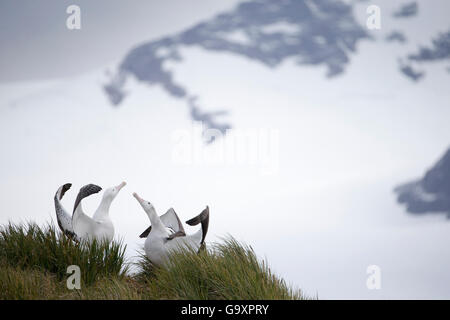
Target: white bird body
pixel 166 233
pixel 158 248
pixel 82 227
pixel 91 228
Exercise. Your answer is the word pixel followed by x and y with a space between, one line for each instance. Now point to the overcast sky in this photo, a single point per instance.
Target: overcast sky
pixel 36 44
pixel 345 142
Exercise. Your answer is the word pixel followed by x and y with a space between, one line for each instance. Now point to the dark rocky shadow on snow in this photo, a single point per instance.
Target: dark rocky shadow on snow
pixel 396 36
pixel 431 194
pixel 407 10
pixel 208 119
pixel 318 32
pixel 411 72
pixel 438 51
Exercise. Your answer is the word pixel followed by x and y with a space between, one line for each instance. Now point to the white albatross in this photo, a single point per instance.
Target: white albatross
pixel 167 234
pixel 79 226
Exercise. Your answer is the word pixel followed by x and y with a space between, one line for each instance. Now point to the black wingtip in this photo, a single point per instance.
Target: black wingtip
pixel 202 218
pixel 86 191
pixel 64 189
pixel 90 189
pixel 146 232
pixel 196 220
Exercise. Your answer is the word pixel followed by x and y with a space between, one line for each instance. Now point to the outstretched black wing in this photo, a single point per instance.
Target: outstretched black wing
pixel 170 220
pixel 62 216
pixel 202 218
pixel 86 191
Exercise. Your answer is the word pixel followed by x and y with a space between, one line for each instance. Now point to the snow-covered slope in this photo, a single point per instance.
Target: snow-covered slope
pixel 338 148
pixel 431 194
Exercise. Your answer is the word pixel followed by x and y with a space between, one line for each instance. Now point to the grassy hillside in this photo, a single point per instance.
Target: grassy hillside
pixel 34 261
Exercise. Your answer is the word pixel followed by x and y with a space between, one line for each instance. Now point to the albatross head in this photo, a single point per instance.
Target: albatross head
pixel 112 192
pixel 146 205
pixel 148 208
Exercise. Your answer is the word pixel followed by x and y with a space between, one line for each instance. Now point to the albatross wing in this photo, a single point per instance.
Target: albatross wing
pixel 202 218
pixel 62 216
pixel 170 220
pixel 197 239
pixel 85 191
pixel 82 224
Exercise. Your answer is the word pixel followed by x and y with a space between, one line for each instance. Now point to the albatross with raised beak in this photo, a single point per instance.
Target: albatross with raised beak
pixel 79 226
pixel 166 232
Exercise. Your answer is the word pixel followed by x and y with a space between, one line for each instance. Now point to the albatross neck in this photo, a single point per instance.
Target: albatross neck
pixel 103 208
pixel 154 219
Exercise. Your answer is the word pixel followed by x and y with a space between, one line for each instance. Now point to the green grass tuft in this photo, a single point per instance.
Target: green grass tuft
pixel 228 271
pixel 34 261
pixel 46 249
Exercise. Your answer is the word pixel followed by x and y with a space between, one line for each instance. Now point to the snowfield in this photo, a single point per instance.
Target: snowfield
pixel 327 212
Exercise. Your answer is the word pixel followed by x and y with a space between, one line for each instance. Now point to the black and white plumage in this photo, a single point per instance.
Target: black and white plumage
pixel 166 232
pixel 79 226
pixel 171 222
pixel 63 218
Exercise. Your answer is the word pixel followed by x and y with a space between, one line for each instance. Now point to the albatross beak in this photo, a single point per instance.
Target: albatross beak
pixel 120 186
pixel 137 197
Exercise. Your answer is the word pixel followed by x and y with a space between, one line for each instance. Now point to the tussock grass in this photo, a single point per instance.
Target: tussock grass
pixel 32 284
pixel 229 271
pixel 29 246
pixel 25 284
pixel 34 261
